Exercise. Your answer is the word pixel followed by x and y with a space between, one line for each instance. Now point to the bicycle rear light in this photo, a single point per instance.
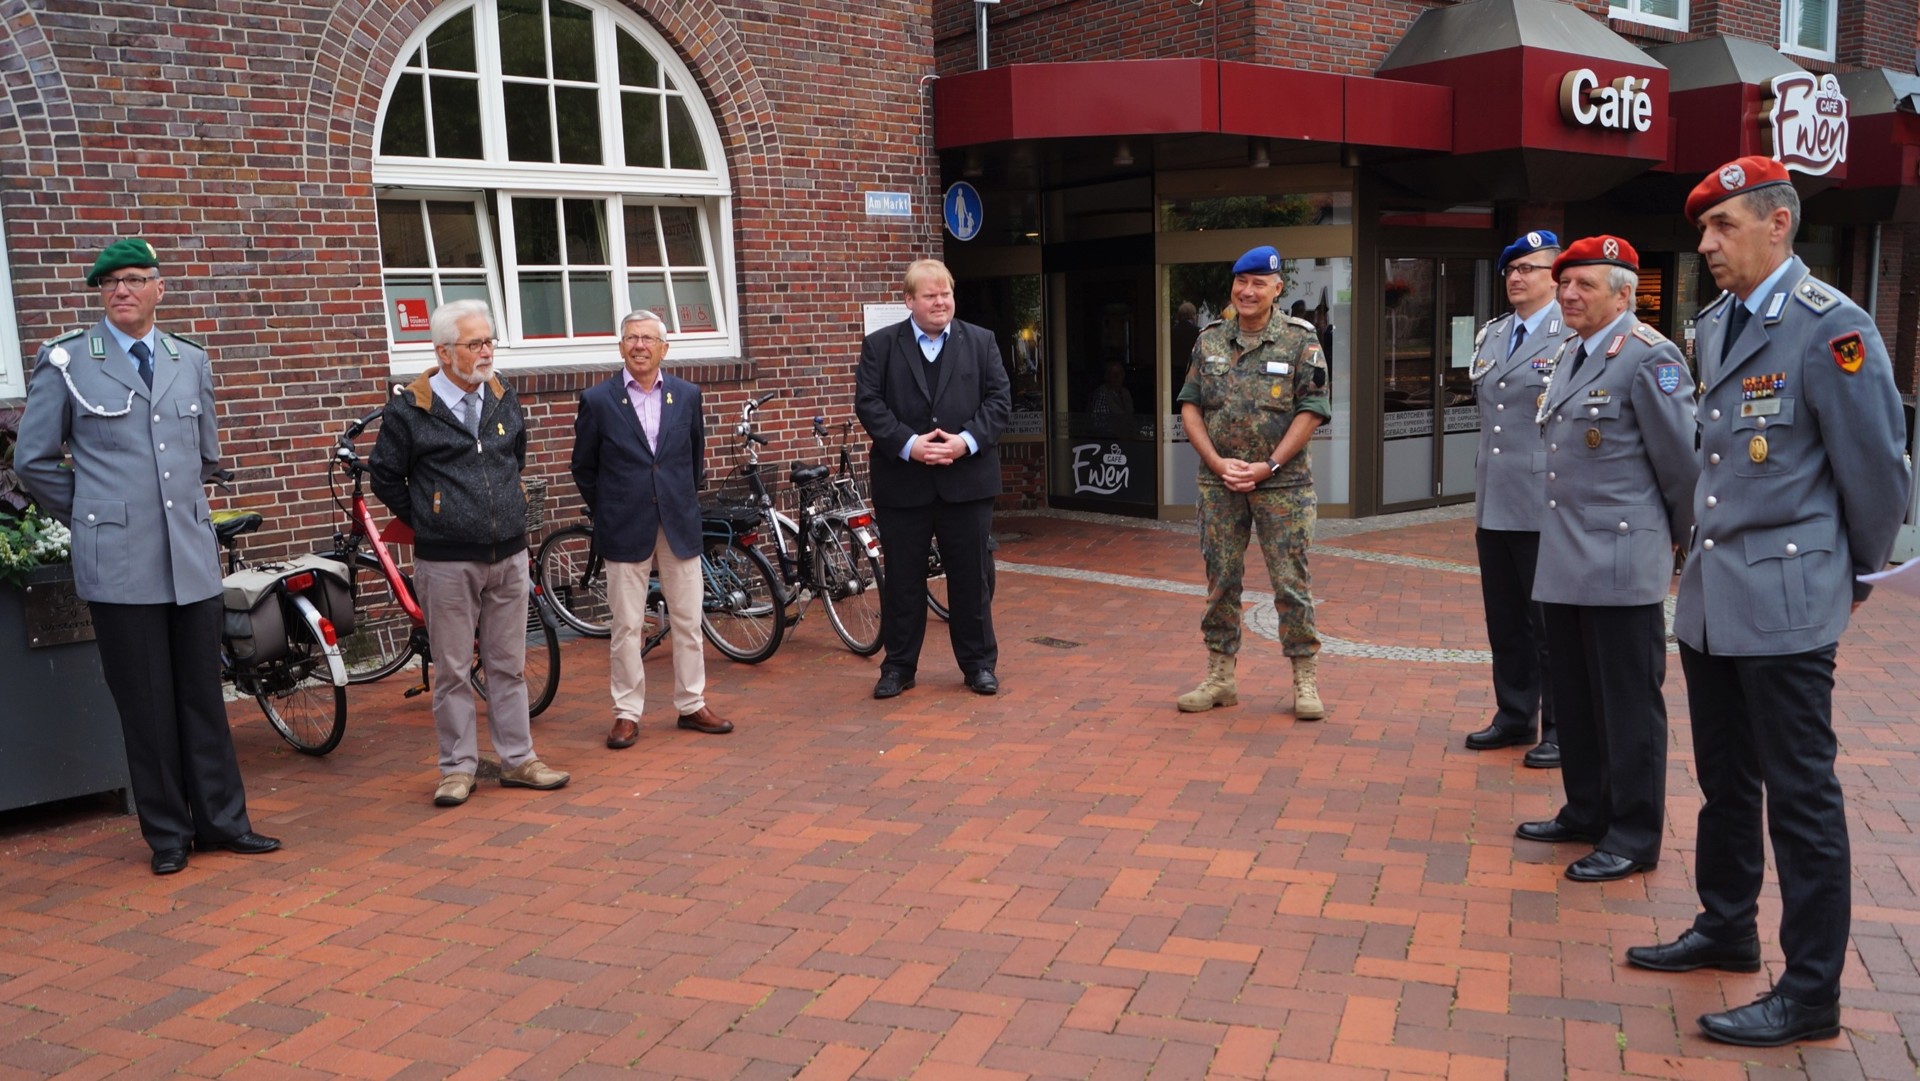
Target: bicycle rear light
pixel 860 521
pixel 327 632
pixel 298 583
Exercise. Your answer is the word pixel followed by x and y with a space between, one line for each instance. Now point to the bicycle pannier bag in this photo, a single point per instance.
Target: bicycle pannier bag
pixel 256 623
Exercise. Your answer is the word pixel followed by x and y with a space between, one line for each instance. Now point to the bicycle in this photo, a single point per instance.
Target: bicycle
pixel 389 626
pixel 831 551
pixel 741 603
pixel 278 637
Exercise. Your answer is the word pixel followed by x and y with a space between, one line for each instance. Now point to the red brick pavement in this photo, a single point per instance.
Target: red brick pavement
pixel 1069 880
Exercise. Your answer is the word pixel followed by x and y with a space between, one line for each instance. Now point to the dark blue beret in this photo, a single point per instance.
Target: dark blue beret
pixel 1261 260
pixel 1535 241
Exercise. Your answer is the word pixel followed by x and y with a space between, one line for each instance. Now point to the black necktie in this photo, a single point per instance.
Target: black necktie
pixel 143 358
pixel 1736 322
pixel 1577 358
pixel 1519 338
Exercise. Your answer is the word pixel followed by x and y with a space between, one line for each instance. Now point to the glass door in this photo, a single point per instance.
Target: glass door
pixel 1430 422
pixel 1103 451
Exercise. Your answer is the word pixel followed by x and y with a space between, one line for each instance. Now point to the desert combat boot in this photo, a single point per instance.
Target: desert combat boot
pixel 1217 689
pixel 1306 695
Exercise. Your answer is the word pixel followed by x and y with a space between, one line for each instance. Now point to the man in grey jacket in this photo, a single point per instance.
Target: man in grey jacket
pixel 447 463
pixel 1802 487
pixel 1512 359
pixel 1618 423
pixel 133 405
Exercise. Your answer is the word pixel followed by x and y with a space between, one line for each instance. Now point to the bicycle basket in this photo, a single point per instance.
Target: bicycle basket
pixel 733 517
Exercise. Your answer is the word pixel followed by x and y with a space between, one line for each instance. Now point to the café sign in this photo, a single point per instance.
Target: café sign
pixel 1621 105
pixel 1808 122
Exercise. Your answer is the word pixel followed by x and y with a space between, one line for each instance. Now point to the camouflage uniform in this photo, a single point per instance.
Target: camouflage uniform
pixel 1249 388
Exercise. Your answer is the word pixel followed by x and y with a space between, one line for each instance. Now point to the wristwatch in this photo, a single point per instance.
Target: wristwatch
pixel 1272 467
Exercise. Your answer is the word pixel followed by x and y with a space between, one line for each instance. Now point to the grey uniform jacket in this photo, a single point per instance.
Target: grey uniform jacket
pixel 142 531
pixel 1512 459
pixel 1620 471
pixel 1771 565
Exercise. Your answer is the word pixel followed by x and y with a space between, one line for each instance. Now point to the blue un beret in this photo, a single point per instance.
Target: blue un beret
pixel 1535 241
pixel 1261 260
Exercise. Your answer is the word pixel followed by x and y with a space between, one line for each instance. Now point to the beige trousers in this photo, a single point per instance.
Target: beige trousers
pixel 627 594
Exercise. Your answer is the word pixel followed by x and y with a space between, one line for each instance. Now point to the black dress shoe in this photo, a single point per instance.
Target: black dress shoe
pixel 1545 756
pixel 1771 1021
pixel 891 684
pixel 1694 950
pixel 1551 832
pixel 1598 866
pixel 1493 737
pixel 983 682
pixel 247 844
pixel 169 861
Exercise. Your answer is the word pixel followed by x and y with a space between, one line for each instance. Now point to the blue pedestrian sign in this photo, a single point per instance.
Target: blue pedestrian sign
pixel 963 210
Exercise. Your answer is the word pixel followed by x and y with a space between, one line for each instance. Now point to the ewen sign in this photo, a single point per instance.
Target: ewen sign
pixel 1621 105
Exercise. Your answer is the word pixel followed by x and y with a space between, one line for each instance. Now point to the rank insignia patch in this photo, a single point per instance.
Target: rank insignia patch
pixel 1669 377
pixel 1849 351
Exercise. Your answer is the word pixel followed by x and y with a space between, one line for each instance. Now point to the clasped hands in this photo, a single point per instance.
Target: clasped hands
pixel 939 447
pixel 1240 475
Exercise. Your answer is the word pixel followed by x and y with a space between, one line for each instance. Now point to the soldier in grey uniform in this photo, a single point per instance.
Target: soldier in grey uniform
pixel 1511 361
pixel 1802 487
pixel 1618 424
pixel 133 406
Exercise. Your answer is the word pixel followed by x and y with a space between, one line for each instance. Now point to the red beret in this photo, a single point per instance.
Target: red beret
pixel 1736 177
pixel 1597 251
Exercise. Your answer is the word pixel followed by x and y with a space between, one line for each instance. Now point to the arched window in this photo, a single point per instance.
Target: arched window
pixel 553 158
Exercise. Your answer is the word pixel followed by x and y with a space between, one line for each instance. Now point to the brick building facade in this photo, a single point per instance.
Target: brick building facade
pixel 242 140
pixel 302 170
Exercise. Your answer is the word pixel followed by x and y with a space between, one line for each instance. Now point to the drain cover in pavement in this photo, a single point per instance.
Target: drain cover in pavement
pixel 1055 643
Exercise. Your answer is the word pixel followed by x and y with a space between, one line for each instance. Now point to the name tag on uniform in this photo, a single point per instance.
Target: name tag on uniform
pixel 1276 367
pixel 1765 407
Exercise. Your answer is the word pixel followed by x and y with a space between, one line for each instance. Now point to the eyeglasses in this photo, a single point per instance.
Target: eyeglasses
pixel 474 345
pixel 647 340
pixel 1522 268
pixel 135 282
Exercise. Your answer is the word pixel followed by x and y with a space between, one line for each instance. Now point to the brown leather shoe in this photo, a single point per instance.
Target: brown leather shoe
pixel 625 732
pixel 706 720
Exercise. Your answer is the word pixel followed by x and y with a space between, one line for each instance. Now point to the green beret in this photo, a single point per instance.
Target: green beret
pixel 121 254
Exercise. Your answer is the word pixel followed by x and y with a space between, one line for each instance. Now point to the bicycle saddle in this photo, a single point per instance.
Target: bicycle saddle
pixel 804 475
pixel 228 524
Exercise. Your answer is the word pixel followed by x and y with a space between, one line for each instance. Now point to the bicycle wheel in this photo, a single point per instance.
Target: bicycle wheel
pixel 542 670
pixel 743 603
pixel 298 694
pixel 574 578
pixel 382 641
pixel 936 581
pixel 847 577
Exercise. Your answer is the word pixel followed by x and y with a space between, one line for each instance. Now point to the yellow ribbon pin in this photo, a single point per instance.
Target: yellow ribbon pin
pixel 501 428
pixel 669 397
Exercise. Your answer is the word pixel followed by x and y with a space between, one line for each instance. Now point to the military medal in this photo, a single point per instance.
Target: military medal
pixel 1757 450
pixel 1593 439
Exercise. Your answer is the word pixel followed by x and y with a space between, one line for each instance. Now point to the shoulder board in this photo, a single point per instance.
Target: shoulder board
pixel 68 336
pixel 184 338
pixel 1716 302
pixel 1301 323
pixel 1211 323
pixel 1816 294
pixel 1647 334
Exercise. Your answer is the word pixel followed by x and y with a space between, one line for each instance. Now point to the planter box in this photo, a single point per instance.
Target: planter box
pixel 59 731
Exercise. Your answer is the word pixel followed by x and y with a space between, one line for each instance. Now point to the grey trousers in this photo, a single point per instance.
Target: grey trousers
pixel 458 597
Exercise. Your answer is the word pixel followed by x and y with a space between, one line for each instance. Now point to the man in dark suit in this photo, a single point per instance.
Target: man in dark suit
pixel 637 446
pixel 1802 487
pixel 134 407
pixel 934 397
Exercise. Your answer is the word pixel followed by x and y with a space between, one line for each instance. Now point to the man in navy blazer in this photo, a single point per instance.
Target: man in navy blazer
pixel 933 395
pixel 637 447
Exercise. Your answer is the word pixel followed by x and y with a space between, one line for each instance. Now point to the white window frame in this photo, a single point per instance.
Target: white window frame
pixel 1790 15
pixel 707 190
pixel 13 371
pixel 1630 11
pixel 489 272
